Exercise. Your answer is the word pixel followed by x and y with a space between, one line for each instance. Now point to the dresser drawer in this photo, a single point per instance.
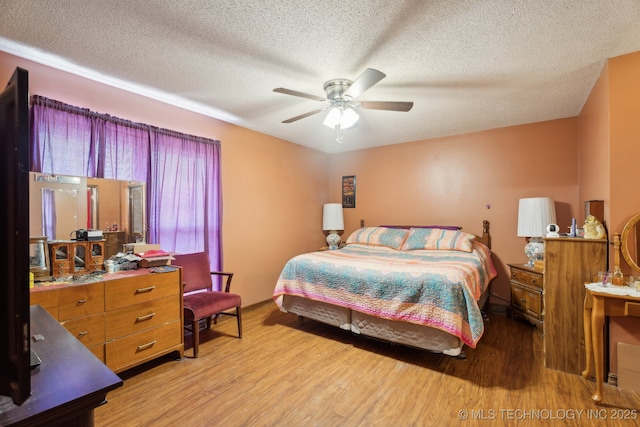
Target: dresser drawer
pixel 80 301
pixel 88 330
pixel 60 268
pixel 134 290
pixel 95 263
pixel 98 351
pixel 527 278
pixel 632 309
pixel 48 299
pixel 132 319
pixel 145 345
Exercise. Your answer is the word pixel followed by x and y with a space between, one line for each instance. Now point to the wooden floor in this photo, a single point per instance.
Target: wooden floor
pixel 288 372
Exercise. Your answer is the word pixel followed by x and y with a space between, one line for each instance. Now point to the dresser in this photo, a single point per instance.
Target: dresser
pixel 526 294
pixel 124 318
pixel 569 263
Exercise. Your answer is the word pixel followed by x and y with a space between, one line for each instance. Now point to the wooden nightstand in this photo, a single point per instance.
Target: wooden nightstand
pixel 526 294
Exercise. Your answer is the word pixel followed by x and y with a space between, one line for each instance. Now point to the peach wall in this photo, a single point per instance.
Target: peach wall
pixel 624 86
pixel 273 190
pixel 624 101
pixel 595 165
pixel 463 179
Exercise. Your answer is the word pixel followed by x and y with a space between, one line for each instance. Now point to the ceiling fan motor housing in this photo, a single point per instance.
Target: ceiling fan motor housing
pixel 336 88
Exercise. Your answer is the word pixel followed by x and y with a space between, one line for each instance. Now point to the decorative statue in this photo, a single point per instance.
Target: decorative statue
pixel 593 229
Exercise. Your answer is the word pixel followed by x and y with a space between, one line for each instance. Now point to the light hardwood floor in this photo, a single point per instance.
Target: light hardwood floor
pixel 288 372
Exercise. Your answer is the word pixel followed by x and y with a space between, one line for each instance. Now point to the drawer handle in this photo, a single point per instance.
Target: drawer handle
pixel 143 290
pixel 143 318
pixel 146 346
pixel 81 301
pixel 81 334
pixel 533 280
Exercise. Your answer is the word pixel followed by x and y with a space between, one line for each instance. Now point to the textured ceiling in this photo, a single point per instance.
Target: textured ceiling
pixel 466 65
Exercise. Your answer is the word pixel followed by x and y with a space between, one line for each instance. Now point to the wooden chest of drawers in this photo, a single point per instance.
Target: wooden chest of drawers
pixel 125 319
pixel 72 258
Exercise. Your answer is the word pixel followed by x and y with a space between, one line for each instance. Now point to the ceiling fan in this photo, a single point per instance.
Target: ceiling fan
pixel 342 101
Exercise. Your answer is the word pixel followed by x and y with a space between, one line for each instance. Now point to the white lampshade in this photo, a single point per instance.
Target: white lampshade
pixel 345 117
pixel 534 215
pixel 332 219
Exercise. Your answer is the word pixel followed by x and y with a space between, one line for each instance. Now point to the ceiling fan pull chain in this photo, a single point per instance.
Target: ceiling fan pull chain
pixel 338 134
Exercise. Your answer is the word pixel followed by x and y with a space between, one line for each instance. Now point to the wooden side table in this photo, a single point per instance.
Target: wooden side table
pixel 598 303
pixel 526 294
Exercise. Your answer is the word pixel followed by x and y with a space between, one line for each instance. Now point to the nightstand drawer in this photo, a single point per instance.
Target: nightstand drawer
pixel 527 278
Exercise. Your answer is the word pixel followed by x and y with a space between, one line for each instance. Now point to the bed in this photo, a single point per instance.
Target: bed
pixel 420 286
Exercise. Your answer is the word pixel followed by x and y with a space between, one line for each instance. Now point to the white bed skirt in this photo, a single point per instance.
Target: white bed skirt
pixel 422 337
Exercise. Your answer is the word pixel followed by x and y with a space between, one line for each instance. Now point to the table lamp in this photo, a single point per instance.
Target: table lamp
pixel 332 221
pixel 534 214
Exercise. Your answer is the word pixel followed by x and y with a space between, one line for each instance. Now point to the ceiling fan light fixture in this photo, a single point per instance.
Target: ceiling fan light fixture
pixel 340 116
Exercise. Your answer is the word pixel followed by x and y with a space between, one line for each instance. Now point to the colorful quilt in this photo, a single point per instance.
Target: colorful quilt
pixel 436 288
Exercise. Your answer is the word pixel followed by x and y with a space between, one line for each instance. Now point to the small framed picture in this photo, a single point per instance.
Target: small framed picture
pixel 349 191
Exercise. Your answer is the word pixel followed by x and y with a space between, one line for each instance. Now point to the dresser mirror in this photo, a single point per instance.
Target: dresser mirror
pixel 59 205
pixel 630 242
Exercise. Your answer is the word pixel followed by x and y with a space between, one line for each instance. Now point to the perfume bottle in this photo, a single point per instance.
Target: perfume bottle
pixel 618 277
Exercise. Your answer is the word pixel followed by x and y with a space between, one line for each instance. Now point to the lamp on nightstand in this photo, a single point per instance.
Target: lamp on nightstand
pixel 332 221
pixel 534 214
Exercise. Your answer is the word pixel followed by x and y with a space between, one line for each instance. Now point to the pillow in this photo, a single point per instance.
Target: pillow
pixel 378 236
pixel 438 239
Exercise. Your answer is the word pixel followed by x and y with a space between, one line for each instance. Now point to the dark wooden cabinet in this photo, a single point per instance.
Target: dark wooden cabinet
pixel 67 386
pixel 113 242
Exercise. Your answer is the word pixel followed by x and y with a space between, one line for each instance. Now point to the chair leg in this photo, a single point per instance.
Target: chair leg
pixel 208 320
pixel 195 325
pixel 239 322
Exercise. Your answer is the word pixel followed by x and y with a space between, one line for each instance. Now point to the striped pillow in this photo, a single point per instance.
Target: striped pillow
pixel 438 239
pixel 378 236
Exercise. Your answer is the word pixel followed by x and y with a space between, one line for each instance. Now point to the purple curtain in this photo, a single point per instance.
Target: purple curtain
pixel 49 218
pixel 63 137
pixel 185 179
pixel 124 150
pixel 182 172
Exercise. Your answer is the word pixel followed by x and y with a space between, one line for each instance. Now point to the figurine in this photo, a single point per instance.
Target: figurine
pixel 593 229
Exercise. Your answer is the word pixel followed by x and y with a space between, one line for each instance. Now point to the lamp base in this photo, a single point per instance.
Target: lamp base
pixel 333 240
pixel 534 250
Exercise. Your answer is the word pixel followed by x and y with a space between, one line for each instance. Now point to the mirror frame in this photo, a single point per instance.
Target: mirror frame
pixel 624 242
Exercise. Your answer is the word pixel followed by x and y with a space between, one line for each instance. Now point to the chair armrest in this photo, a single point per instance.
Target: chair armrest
pixel 229 276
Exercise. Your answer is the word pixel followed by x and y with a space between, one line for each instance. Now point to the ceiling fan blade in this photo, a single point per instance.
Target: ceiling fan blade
pixel 386 105
pixel 302 116
pixel 300 94
pixel 367 79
